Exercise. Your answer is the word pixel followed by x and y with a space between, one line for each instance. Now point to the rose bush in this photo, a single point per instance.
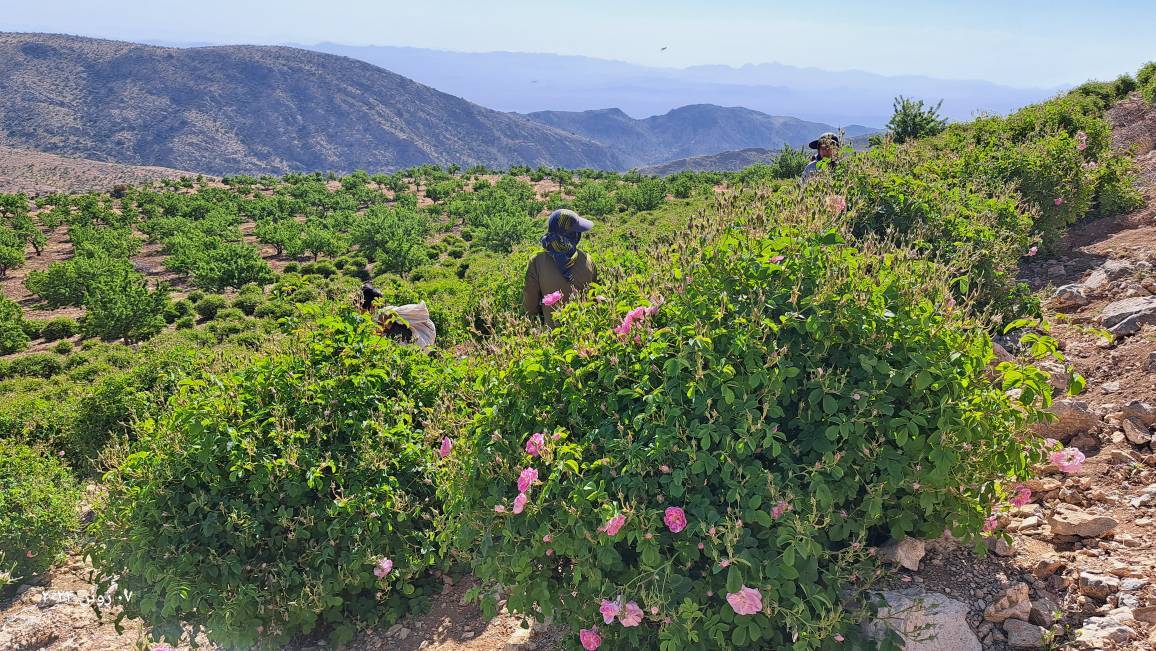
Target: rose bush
pixel 723 459
pixel 293 496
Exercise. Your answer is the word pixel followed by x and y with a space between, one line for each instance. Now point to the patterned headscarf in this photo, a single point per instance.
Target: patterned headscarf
pixel 563 234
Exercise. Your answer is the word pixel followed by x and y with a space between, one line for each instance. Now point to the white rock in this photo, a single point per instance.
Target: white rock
pixel 907 552
pixel 928 621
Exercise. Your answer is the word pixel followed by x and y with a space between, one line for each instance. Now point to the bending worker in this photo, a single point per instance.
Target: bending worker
pixel 407 324
pixel 560 267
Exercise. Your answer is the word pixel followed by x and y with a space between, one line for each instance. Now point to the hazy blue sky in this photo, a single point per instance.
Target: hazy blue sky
pixel 1018 42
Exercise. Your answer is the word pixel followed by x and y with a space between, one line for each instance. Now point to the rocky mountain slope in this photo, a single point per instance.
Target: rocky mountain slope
pixel 35 173
pixel 696 130
pixel 226 110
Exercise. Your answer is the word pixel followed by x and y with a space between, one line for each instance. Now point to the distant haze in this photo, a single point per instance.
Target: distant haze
pixel 538 82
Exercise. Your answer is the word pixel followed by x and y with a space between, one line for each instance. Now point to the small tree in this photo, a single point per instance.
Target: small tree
pixel 10 258
pixel 594 199
pixel 318 241
pixel 284 236
pixel 912 120
pixel 120 305
pixel 392 237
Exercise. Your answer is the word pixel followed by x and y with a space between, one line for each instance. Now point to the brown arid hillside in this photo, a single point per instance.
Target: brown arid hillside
pixel 253 110
pixel 35 173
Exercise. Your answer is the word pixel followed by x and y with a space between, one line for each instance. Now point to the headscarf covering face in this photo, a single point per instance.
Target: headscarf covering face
pixel 564 232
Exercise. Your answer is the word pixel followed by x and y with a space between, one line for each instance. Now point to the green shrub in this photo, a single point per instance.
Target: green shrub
pixel 292 268
pixel 59 328
pixel 12 337
pixel 35 365
pixel 185 322
pixel 196 295
pixel 64 347
pixel 230 314
pixel 208 306
pixel 594 200
pixel 178 310
pixel 120 305
pixel 31 327
pixel 1146 74
pixel 794 409
pixel 249 300
pixel 263 500
pixel 274 310
pixel 1115 193
pixel 38 502
pixel 647 194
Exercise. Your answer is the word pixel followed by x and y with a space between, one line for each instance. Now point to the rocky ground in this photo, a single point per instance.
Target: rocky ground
pixel 1079 571
pixel 36 173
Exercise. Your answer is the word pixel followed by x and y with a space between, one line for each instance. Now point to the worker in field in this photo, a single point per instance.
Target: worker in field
pixel 407 324
pixel 560 269
pixel 826 149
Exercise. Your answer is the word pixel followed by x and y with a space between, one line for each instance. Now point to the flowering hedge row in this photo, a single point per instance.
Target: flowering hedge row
pixel 710 470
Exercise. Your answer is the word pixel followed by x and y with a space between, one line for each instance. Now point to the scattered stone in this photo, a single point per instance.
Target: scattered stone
pixel 1136 433
pixel 1048 566
pixel 1146 614
pixel 1022 635
pixel 1111 387
pixel 1141 412
pixel 1056 270
pixel 1132 584
pixel 1072 417
pixel 928 621
pixel 1098 586
pixel 1027 524
pixel 1014 604
pixel 1146 497
pixel 1127 316
pixel 1107 631
pixel 518 641
pixel 1003 548
pixel 1096 282
pixel 906 553
pixel 1117 268
pixel 1151 365
pixel 1044 611
pixel 1075 522
pixel 26 632
pixel 1085 441
pixel 1125 456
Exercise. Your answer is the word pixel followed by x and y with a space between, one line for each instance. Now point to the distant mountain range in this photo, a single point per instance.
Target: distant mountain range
pixel 272 109
pixel 523 82
pixel 727 161
pixel 697 130
pixel 36 173
pixel 226 110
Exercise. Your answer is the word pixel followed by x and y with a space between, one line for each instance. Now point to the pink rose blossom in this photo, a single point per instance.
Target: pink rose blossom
pixel 447 447
pixel 1023 496
pixel 29 554
pixel 779 509
pixel 609 610
pixel 550 299
pixel 527 479
pixel 590 638
pixel 631 615
pixel 60 453
pixel 549 552
pixel 839 637
pixel 1081 141
pixel 547 538
pixel 916 485
pixel 747 601
pixel 1059 201
pixel 163 647
pixel 535 444
pixel 519 503
pixel 675 519
pixel 499 508
pixel 654 610
pixel 990 524
pixel 613 525
pixel 384 567
pixel 1068 460
pixel 665 469
pixel 724 563
pixel 777 259
pixel 648 536
pixel 701 546
pixel 1034 250
pixel 836 203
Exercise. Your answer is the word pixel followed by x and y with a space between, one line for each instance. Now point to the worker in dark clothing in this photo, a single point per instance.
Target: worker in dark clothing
pixel 560 269
pixel 826 149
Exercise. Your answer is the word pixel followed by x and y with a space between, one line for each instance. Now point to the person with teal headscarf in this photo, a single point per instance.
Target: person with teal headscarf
pixel 560 269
